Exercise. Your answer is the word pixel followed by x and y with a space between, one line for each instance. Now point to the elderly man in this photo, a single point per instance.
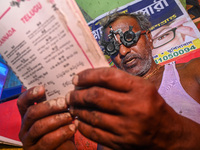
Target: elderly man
pixel 146 106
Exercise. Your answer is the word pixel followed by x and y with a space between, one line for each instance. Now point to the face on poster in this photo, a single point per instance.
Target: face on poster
pixel 175 33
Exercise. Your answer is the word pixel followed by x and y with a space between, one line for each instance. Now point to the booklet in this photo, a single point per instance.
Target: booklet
pixel 45 43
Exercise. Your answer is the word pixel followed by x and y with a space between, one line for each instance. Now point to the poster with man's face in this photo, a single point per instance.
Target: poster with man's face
pixel 173 32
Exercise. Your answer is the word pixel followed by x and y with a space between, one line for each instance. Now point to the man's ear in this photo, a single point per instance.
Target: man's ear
pixel 149 38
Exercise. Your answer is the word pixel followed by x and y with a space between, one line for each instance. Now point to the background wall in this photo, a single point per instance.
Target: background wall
pixel 94 8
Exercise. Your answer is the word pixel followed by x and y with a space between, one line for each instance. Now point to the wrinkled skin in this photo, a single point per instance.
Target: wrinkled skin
pixel 114 108
pixel 136 59
pixel 127 114
pixel 45 125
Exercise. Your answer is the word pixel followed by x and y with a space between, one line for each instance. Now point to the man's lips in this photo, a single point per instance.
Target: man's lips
pixel 130 60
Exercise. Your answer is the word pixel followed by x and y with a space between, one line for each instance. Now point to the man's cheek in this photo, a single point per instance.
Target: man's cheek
pixel 117 61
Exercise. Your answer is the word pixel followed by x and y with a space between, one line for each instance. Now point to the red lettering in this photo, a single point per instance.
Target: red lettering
pixel 31 13
pixel 7 36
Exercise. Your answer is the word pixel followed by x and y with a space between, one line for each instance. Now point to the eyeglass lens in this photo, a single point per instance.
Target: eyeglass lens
pixel 163 39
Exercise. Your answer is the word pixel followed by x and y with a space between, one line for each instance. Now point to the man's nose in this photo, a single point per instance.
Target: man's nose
pixel 123 50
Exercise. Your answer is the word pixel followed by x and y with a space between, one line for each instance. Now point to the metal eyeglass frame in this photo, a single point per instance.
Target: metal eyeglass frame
pixel 127 38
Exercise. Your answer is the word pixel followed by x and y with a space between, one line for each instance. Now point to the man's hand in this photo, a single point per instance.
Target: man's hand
pixel 45 124
pixel 122 111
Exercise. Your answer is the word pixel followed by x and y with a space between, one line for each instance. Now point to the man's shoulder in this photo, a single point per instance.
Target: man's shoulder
pixel 190 67
pixel 192 63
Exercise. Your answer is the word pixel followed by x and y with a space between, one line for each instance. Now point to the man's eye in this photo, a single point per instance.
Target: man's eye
pixel 163 36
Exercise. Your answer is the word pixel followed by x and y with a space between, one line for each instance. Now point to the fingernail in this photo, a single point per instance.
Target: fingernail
pixel 76 122
pixel 36 90
pixel 61 102
pixel 58 102
pixel 63 116
pixel 67 98
pixel 75 80
pixel 71 110
pixel 72 127
pixel 67 115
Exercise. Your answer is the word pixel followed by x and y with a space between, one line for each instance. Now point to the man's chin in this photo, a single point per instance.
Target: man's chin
pixel 131 71
pixel 135 71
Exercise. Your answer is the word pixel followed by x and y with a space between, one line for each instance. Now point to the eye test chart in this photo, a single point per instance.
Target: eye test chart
pixel 47 42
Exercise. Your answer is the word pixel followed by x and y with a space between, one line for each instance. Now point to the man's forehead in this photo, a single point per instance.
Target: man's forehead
pixel 123 23
pixel 122 26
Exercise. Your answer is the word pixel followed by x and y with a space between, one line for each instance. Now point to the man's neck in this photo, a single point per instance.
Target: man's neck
pixel 155 74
